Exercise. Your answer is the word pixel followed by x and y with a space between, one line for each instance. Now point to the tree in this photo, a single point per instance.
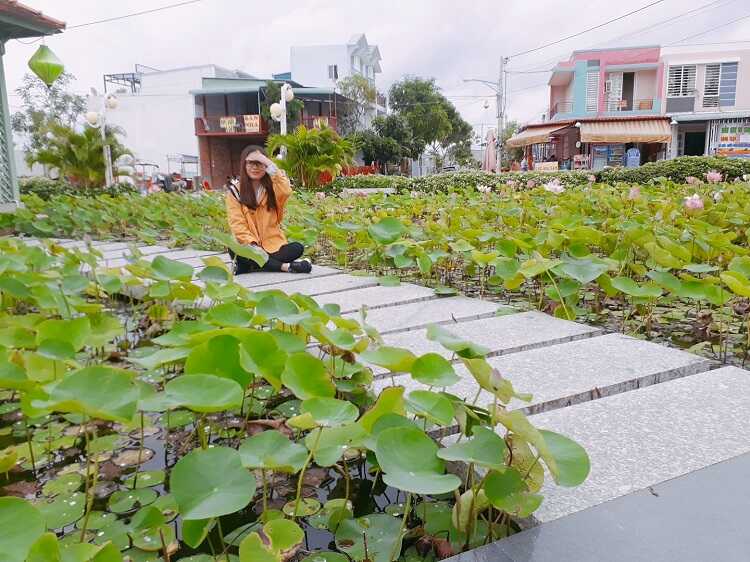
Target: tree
pixel 271 95
pixel 420 102
pixel 510 153
pixel 43 107
pixel 79 157
pixel 311 152
pixel 377 148
pixel 361 94
pixel 395 127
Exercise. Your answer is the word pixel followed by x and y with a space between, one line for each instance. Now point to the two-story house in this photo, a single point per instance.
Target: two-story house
pixel 324 65
pixel 707 95
pixel 603 102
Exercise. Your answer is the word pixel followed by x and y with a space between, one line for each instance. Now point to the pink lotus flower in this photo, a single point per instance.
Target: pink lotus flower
pixel 531 184
pixel 692 180
pixel 591 178
pixel 634 193
pixel 320 195
pixel 554 186
pixel 484 188
pixel 714 177
pixel 511 183
pixel 694 202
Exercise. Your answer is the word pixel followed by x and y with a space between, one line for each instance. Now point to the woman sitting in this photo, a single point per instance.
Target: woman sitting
pixel 255 211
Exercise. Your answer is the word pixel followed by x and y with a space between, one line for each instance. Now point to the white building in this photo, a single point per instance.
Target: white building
pixel 324 65
pixel 157 111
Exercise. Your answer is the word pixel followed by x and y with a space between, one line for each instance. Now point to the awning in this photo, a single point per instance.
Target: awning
pixel 534 135
pixel 636 130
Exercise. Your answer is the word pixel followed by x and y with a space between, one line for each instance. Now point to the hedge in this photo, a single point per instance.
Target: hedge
pixel 45 188
pixel 676 170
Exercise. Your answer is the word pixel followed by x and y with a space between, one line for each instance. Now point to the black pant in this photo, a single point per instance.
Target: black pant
pixel 286 254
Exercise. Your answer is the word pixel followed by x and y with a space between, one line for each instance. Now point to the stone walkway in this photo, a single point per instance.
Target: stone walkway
pixel 645 413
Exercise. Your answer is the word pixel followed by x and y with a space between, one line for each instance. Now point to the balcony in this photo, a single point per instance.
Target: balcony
pixel 231 125
pixel 319 121
pixel 381 100
pixel 645 105
pixel 562 106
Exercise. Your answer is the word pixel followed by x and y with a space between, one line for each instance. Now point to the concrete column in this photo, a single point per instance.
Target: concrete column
pixel 10 198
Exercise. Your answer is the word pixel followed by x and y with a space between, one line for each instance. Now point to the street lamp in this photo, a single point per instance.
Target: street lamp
pixel 278 111
pixel 98 120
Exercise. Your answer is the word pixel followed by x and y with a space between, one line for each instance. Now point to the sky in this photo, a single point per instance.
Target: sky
pixel 445 40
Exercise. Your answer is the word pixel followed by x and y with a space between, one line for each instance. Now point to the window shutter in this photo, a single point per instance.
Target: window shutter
pixel 681 81
pixel 592 90
pixel 711 85
pixel 728 84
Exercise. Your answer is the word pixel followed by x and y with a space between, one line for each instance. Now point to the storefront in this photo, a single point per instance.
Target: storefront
pixel 595 144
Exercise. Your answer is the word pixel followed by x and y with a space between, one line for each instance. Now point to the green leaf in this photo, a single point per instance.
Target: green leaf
pixel 99 392
pixel 210 483
pixel 250 252
pixel 195 531
pixel 486 449
pixel 45 549
pixel 170 270
pixel 633 289
pixel 124 501
pixel 21 524
pixel 572 462
pixel 229 314
pixel 75 331
pixel 390 401
pixel 392 358
pixel 56 349
pixel 389 281
pixel 433 369
pixel 409 461
pixel 218 356
pixel 63 510
pixel 283 534
pixel 381 532
pixel 583 271
pixel 433 406
pixel 737 283
pixel 272 450
pixel 330 412
pixel 306 377
pixel 461 347
pixel 252 549
pixel 204 393
pixel 213 274
pixel 386 231
pixel 329 443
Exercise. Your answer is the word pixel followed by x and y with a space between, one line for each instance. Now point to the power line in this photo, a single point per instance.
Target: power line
pixel 709 30
pixel 133 14
pixel 586 30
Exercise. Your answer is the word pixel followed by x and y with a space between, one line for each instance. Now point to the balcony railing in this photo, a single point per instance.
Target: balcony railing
pixel 231 125
pixel 381 100
pixel 319 121
pixel 562 106
pixel 645 104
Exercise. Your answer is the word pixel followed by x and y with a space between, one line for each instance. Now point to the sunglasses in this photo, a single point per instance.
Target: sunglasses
pixel 255 164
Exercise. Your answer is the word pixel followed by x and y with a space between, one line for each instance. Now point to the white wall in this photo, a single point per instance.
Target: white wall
pixel 160 120
pixel 309 65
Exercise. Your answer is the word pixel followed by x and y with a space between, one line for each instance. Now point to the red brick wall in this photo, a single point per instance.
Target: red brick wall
pixel 220 157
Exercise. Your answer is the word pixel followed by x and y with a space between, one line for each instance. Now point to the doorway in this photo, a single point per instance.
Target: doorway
pixel 695 143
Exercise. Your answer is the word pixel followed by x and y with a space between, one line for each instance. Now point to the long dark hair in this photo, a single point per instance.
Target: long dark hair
pixel 247 193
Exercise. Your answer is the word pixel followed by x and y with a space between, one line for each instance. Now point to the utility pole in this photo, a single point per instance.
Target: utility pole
pixel 499 109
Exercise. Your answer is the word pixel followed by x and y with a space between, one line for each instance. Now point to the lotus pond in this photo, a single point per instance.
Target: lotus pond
pixel 663 261
pixel 139 423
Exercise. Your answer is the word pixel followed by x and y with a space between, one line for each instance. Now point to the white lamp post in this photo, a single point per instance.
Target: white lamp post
pixel 99 120
pixel 278 111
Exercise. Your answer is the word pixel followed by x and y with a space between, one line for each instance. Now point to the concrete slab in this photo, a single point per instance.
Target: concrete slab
pixel 376 297
pixel 500 334
pixel 191 257
pixel 577 371
pixel 145 250
pixel 640 438
pixel 649 525
pixel 321 285
pixel 265 278
pixel 421 314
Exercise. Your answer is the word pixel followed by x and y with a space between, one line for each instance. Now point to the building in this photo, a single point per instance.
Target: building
pixel 157 112
pixel 227 118
pixel 16 22
pixel 324 65
pixel 707 95
pixel 602 103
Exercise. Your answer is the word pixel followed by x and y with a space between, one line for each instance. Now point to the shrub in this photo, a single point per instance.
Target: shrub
pixel 677 170
pixel 46 188
pixel 369 182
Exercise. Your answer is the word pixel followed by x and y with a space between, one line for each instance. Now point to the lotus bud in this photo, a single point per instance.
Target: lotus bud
pixel 634 193
pixel 92 118
pixel 694 202
pixel 692 180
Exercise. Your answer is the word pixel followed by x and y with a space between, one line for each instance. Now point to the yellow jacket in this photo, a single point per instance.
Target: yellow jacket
pixel 260 226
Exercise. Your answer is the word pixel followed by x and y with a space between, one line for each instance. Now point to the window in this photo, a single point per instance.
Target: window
pixel 728 84
pixel 711 85
pixel 681 81
pixel 333 72
pixel 592 90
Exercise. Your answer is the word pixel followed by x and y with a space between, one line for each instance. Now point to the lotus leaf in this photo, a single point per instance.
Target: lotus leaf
pixel 306 376
pixel 381 531
pixel 272 450
pixel 204 393
pixel 21 524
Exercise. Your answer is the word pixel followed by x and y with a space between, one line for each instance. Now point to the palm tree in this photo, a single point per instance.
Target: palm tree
pixel 311 152
pixel 78 157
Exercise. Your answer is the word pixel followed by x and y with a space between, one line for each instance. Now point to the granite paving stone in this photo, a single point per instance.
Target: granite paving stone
pixel 262 278
pixel 191 257
pixel 646 436
pixel 375 297
pixel 421 314
pixel 652 525
pixel 577 371
pixel 321 285
pixel 145 250
pixel 500 334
